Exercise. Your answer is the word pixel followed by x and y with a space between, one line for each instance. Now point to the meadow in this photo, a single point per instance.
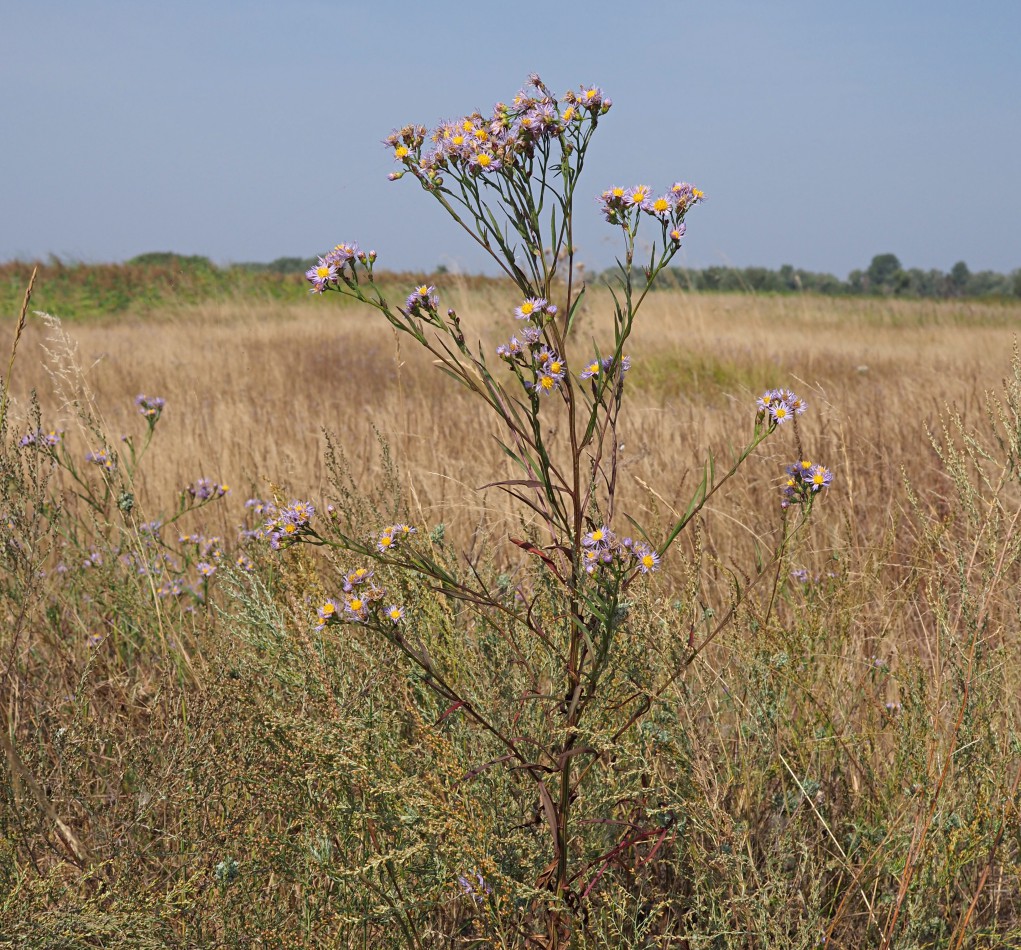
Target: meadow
pixel 200 766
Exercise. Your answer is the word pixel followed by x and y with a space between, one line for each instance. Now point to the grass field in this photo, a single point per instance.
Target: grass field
pixel 840 767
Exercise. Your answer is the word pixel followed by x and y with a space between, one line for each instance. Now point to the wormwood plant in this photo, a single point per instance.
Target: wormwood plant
pixel 575 678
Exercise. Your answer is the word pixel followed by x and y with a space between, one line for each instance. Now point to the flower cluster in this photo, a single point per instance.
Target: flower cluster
pixel 150 406
pixel 362 601
pixel 599 367
pixel 422 301
pixel 205 489
pixel 391 536
pixel 329 268
pixel 105 460
pixel 601 547
pixel 623 205
pixel 289 525
pixel 778 406
pixel 503 142
pixel 49 439
pixel 804 480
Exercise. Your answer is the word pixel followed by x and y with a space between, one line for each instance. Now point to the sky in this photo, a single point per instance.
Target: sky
pixel 823 132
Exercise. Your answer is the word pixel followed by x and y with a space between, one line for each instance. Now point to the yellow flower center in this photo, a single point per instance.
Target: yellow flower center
pixel 661 204
pixel 648 560
pixel 328 610
pixel 356 603
pixel 322 271
pixel 401 151
pixel 484 160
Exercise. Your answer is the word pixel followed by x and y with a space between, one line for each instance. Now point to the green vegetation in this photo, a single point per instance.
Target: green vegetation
pixel 161 279
pixel 884 277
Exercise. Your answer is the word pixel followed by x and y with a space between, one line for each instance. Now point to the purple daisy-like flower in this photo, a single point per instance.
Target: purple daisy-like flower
pixel 298 513
pixel 150 406
pixel 327 613
pixel 660 207
pixel 357 607
pixel 647 558
pixel 677 233
pixel 531 308
pixel 395 613
pixel 637 196
pixel 818 478
pixel 341 255
pixel 103 459
pixel 591 98
pixel 205 568
pixel 780 411
pixel 592 369
pixel 321 275
pixel 625 364
pixel 598 538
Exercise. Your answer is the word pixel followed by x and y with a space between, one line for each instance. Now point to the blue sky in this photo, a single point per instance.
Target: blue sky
pixel 823 132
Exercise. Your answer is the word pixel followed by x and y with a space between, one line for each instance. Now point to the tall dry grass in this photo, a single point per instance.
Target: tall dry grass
pixel 842 764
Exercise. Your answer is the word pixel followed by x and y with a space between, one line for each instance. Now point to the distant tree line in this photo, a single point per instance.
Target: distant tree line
pixel 884 277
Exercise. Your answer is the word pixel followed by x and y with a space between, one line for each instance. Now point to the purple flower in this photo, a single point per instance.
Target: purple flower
pixel 648 559
pixel 150 406
pixel 102 458
pixel 321 275
pixel 204 489
pixel 327 613
pixel 531 308
pixel 476 889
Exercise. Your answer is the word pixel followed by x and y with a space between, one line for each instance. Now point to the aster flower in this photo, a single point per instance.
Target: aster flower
pixel 385 543
pixel 637 196
pixel 484 161
pixel 205 568
pixel 647 558
pixel 592 369
pixel 600 537
pixel 361 575
pixel 677 232
pixel 818 478
pixel 422 299
pixel 340 255
pixel 797 404
pixel 150 406
pixel 244 563
pixel 625 364
pixel 103 459
pixel 546 383
pixel 327 613
pixel 530 308
pixel 203 489
pixel 321 275
pixel 780 412
pixel 660 207
pixel 591 98
pixel 357 607
pixel 395 613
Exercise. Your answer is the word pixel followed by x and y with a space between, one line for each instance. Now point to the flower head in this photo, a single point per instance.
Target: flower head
pixel 321 275
pixel 150 406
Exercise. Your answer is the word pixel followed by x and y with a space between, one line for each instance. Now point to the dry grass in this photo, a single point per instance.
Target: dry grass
pixel 250 390
pixel 807 801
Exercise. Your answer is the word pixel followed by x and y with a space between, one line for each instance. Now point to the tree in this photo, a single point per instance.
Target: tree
pixel 959 277
pixel 885 273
